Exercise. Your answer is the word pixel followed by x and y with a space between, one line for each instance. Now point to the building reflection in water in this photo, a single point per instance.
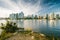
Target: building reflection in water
pixel 28 24
pixel 52 23
pixel 21 23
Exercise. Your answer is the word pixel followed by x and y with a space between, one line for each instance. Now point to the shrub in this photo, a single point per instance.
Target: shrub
pixel 10 27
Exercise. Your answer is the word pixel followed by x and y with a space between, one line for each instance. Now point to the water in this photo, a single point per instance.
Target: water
pixel 47 27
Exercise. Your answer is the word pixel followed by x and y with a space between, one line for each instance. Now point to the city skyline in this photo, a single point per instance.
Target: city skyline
pixel 29 7
pixel 20 15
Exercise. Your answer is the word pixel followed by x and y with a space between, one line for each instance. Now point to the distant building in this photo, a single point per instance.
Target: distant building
pixel 52 16
pixel 40 17
pixel 12 16
pixel 32 16
pixel 29 16
pixel 36 16
pixel 21 15
pixel 57 16
pixel 46 16
pixel 17 15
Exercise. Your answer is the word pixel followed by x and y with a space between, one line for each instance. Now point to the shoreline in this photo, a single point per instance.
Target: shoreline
pixel 27 35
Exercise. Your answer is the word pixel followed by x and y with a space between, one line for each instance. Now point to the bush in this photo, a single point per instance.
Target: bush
pixel 10 27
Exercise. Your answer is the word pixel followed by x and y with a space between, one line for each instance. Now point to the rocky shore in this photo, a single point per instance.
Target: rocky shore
pixel 27 36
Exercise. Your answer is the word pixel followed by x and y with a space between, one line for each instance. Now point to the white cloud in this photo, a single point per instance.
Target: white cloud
pixel 4 12
pixel 28 9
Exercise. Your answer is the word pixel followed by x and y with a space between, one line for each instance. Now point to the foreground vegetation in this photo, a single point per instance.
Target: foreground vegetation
pixel 8 30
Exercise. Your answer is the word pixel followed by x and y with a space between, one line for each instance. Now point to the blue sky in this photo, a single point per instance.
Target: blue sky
pixel 29 7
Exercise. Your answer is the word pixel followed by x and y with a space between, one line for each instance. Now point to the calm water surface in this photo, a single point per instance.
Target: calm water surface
pixel 47 27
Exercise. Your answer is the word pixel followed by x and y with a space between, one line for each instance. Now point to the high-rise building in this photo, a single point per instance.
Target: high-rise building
pixel 52 16
pixel 12 16
pixel 57 16
pixel 46 16
pixel 17 15
pixel 32 16
pixel 40 17
pixel 35 16
pixel 21 15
